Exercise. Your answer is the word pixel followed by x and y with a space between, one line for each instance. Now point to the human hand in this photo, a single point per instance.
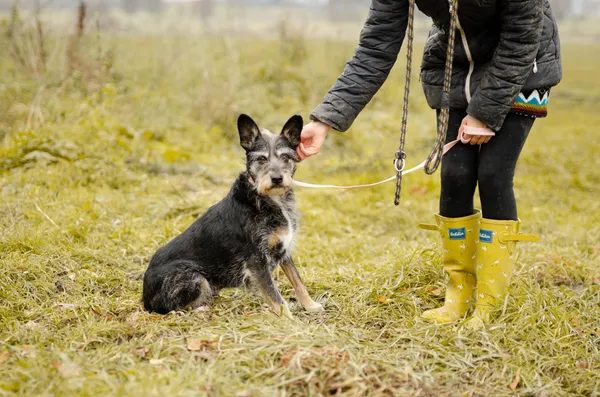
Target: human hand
pixel 471 121
pixel 312 138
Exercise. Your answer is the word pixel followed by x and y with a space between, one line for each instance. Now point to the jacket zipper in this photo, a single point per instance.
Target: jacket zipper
pixel 465 43
pixel 469 57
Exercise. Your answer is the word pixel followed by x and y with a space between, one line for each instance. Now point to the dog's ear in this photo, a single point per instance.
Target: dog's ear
pixel 292 129
pixel 248 130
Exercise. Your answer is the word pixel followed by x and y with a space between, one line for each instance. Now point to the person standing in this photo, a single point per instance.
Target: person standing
pixel 507 58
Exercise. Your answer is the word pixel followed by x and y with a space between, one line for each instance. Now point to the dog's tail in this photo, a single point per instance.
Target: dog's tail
pixel 174 286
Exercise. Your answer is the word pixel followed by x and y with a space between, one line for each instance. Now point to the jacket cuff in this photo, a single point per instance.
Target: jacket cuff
pixel 488 111
pixel 335 112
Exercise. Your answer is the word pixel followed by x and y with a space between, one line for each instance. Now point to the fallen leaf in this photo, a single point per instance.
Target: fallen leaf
pixel 4 355
pixel 202 347
pixel 194 345
pixel 141 352
pixel 418 191
pixel 575 321
pixel 244 393
pixel 596 280
pixel 436 291
pixel 66 305
pixel 585 364
pixel 28 351
pixel 515 383
pixel 66 369
pixel 31 324
pixel 156 361
pixel 382 299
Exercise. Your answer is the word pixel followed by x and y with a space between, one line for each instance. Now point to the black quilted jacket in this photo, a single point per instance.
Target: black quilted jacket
pixel 502 47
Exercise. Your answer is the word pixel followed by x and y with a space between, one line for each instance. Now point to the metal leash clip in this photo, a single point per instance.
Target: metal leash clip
pixel 400 161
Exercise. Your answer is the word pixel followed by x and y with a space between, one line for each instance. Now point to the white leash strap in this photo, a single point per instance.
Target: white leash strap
pixel 468 130
pixel 314 186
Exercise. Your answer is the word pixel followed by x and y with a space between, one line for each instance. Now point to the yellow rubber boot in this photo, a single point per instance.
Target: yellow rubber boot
pixel 497 243
pixel 459 243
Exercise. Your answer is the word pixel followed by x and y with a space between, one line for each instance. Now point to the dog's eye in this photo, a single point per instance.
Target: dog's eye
pixel 286 158
pixel 261 159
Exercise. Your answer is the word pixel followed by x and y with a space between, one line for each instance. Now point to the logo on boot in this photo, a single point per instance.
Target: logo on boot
pixel 457 233
pixel 486 236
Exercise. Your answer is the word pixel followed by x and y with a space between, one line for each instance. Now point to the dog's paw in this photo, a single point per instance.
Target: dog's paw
pixel 314 307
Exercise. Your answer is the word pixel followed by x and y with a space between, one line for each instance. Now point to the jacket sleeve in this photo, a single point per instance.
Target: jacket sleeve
pixel 378 48
pixel 511 64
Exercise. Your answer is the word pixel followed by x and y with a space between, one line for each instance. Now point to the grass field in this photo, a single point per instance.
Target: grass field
pixel 115 149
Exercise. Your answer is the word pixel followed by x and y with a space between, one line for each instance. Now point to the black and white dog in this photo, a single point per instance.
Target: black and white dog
pixel 240 240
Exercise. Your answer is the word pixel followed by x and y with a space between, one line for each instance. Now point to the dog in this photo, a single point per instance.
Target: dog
pixel 241 240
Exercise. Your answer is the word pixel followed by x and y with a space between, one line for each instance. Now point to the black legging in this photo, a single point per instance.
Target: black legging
pixel 492 165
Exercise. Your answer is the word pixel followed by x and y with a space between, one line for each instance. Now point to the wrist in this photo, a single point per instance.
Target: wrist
pixel 475 122
pixel 322 126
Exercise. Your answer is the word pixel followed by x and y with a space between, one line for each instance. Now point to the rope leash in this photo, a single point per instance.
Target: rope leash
pixel 467 130
pixel 400 158
pixel 435 156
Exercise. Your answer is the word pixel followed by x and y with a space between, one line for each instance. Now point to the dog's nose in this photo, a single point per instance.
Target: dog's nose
pixel 277 180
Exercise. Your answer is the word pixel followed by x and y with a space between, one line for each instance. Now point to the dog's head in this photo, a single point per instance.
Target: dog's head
pixel 270 158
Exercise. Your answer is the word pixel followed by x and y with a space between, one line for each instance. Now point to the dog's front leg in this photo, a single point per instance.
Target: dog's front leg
pixel 264 282
pixel 291 272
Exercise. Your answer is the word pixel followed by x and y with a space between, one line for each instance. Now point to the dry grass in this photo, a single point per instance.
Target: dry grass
pixel 100 168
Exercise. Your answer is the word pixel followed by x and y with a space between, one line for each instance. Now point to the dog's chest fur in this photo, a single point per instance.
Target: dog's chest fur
pixel 280 228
